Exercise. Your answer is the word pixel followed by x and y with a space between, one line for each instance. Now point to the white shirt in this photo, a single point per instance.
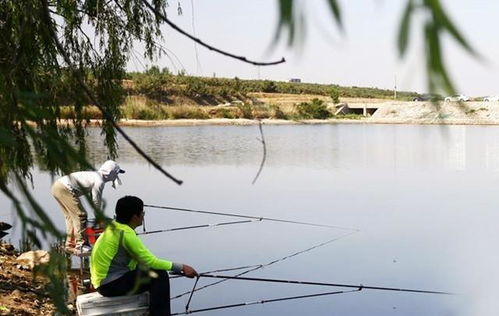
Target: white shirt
pixel 84 182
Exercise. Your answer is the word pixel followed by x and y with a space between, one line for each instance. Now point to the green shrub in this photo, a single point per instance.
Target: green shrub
pixel 87 112
pixel 143 109
pixel 151 84
pixel 335 94
pixel 246 111
pixel 188 112
pixel 229 113
pixel 201 86
pixel 278 113
pixel 269 86
pixel 316 109
pixel 262 112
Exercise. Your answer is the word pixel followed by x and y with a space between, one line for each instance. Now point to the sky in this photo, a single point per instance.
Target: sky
pixel 364 54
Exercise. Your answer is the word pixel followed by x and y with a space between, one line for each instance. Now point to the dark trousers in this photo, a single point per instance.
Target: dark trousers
pixel 137 281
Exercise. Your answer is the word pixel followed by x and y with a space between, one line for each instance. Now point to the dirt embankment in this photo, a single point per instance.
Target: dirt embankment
pixel 20 294
pixel 386 111
pixel 441 113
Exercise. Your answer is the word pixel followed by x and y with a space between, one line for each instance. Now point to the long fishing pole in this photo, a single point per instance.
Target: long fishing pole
pixel 248 216
pixel 264 301
pixel 253 268
pixel 198 226
pixel 367 287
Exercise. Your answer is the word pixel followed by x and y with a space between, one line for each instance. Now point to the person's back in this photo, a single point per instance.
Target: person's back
pixel 84 182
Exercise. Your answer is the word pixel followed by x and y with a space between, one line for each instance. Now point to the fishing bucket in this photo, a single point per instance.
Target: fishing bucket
pixel 129 305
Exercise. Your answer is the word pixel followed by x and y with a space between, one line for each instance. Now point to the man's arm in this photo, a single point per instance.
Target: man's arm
pixel 97 194
pixel 143 255
pixel 189 271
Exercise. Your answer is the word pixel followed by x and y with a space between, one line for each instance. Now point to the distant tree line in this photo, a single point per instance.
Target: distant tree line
pixel 160 84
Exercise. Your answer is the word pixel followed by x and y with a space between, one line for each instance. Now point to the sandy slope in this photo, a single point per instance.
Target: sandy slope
pixel 442 113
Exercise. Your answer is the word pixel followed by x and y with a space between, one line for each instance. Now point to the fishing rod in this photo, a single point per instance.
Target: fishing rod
pixel 379 288
pixel 252 268
pixel 356 288
pixel 198 226
pixel 248 216
pixel 264 301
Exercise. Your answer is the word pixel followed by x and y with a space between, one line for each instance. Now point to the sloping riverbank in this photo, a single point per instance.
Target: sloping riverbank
pixel 20 293
pixel 469 113
pixel 387 112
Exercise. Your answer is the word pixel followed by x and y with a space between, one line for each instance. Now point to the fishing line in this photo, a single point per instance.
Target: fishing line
pixel 196 226
pixel 280 299
pixel 367 287
pixel 249 216
pixel 261 266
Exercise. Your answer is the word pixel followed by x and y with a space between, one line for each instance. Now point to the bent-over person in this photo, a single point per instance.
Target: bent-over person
pixel 67 191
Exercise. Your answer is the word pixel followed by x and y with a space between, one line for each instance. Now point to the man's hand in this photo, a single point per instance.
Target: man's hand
pixel 189 271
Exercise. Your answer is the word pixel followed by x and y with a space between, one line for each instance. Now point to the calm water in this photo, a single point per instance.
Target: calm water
pixel 423 197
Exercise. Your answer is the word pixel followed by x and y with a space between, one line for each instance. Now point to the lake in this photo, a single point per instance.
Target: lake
pixel 424 199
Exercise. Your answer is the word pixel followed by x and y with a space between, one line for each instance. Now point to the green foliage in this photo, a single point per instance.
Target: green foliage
pixel 144 110
pixel 224 112
pixel 246 111
pixel 269 86
pixel 151 83
pixel 278 113
pixel 164 85
pixel 47 61
pixel 316 109
pixel 335 94
pixel 188 113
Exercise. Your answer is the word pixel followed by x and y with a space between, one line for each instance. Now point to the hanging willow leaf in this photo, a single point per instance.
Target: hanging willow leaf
pixel 4 226
pixel 335 9
pixel 442 19
pixel 6 138
pixel 405 26
pixel 438 77
pixel 286 21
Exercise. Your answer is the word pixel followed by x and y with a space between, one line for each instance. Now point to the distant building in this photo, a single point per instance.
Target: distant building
pixel 295 80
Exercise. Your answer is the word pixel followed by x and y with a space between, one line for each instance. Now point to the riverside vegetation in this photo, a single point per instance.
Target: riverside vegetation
pixel 159 95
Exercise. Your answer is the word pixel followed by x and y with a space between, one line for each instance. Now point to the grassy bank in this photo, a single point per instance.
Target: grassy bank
pixel 143 108
pixel 159 95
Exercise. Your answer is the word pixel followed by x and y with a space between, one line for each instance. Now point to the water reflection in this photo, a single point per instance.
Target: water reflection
pixel 320 146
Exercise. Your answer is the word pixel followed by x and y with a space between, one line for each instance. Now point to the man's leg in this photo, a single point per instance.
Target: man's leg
pixel 159 290
pixel 134 282
pixel 64 198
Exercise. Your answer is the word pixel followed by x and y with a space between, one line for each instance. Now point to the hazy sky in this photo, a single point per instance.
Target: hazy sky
pixel 364 55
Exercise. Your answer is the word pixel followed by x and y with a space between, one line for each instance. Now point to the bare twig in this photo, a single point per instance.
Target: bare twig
pixel 91 96
pixel 262 140
pixel 200 42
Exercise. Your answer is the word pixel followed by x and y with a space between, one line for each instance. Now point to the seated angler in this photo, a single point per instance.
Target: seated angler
pixel 121 265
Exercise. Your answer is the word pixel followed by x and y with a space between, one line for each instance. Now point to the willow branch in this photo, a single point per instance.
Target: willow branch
pixel 92 98
pixel 200 42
